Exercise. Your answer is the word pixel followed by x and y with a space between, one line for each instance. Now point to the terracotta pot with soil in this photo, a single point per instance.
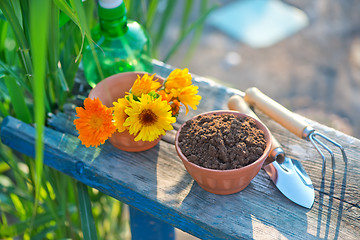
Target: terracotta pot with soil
pixel 223 150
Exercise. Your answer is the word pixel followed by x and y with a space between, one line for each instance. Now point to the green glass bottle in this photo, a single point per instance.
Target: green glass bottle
pixel 121 45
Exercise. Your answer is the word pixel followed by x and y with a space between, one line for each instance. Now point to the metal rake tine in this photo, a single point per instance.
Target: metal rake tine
pixel 322 155
pixel 313 135
pixel 336 144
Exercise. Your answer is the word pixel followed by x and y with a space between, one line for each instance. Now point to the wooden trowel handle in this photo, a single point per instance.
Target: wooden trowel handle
pixel 274 110
pixel 237 103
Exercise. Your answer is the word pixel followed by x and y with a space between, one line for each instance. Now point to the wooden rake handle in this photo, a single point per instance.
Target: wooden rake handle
pixel 275 111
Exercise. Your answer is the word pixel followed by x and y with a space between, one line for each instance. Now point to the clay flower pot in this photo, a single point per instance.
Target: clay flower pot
pixel 108 91
pixel 225 181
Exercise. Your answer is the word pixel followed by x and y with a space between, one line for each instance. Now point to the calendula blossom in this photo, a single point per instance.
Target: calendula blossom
pixel 148 118
pixel 147 111
pixel 187 96
pixel 119 113
pixel 174 103
pixel 144 84
pixel 175 107
pixel 165 96
pixel 94 122
pixel 178 79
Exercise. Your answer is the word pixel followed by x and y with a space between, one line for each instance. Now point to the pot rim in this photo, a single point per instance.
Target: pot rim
pixel 117 77
pixel 215 171
pixel 107 83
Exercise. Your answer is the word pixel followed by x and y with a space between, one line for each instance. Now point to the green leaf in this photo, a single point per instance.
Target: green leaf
pixel 43 233
pixel 3 35
pixel 72 14
pixel 15 76
pixel 66 8
pixel 10 158
pixel 8 190
pixel 19 228
pixel 39 18
pixel 87 219
pixel 85 31
pixel 22 112
pixel 186 15
pixel 194 25
pixel 4 167
pixel 10 15
pixel 197 35
pixel 151 13
pixel 165 19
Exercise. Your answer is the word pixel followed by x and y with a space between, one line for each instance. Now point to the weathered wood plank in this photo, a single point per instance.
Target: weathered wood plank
pixel 156 182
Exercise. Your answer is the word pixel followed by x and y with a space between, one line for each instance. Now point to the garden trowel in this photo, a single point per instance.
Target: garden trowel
pixel 287 174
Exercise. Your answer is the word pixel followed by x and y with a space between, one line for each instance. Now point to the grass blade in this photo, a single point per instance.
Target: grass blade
pixel 170 7
pixel 20 228
pixel 151 13
pixel 4 167
pixel 86 32
pixel 10 15
pixel 3 35
pixel 65 8
pixel 87 219
pixel 43 233
pixel 16 93
pixel 15 76
pixel 57 76
pixel 24 4
pixel 186 15
pixel 194 25
pixel 197 35
pixel 39 17
pixel 134 9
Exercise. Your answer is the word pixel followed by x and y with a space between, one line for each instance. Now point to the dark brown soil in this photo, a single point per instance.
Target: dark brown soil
pixel 221 142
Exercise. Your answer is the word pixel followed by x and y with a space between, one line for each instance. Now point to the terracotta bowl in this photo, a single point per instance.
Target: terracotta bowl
pixel 225 181
pixel 108 91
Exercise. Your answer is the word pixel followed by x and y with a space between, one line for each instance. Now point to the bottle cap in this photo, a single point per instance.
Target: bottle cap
pixel 111 9
pixel 110 3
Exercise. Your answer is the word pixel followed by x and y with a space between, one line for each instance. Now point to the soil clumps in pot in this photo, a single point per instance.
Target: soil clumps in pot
pixel 222 141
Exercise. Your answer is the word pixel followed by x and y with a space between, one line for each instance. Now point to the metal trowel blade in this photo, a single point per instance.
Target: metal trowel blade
pixel 292 181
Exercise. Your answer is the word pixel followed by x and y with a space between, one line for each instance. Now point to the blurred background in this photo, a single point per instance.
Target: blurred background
pixel 311 65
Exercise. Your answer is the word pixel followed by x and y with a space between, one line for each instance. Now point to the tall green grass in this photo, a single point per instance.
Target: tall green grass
pixel 40 51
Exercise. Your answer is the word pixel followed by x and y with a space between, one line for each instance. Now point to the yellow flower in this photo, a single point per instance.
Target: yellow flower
pixel 178 79
pixel 148 118
pixel 187 96
pixel 144 84
pixel 94 123
pixel 119 113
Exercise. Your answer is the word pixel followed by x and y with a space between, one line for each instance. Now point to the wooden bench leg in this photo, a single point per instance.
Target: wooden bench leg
pixel 146 227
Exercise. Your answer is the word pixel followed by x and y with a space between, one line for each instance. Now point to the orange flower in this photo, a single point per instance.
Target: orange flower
pixel 164 96
pixel 145 84
pixel 187 96
pixel 178 79
pixel 175 107
pixel 94 122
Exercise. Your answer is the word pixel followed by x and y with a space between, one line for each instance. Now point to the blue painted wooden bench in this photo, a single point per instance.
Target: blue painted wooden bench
pixel 156 183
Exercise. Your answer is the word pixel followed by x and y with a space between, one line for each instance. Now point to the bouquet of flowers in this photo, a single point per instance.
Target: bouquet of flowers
pixel 147 110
